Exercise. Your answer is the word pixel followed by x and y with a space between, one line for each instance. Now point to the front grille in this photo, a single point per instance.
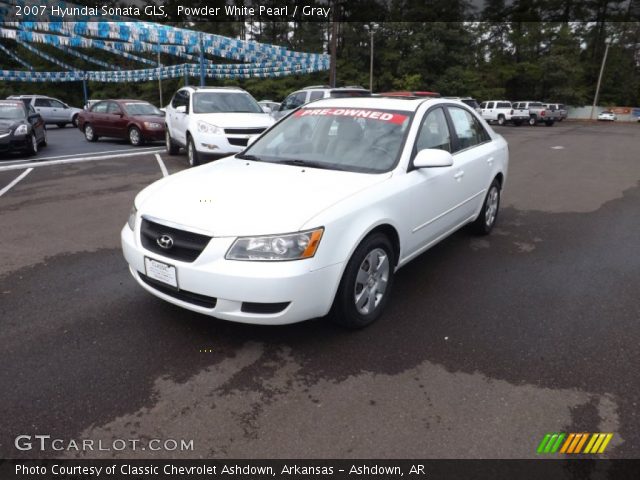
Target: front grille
pixel 187 246
pixel 263 308
pixel 185 296
pixel 239 142
pixel 244 131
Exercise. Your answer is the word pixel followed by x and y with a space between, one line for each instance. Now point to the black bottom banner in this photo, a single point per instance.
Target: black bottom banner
pixel 542 469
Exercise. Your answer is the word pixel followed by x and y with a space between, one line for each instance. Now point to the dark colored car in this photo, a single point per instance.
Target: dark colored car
pixel 134 120
pixel 21 128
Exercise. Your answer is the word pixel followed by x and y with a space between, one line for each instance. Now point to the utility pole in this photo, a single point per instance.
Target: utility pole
pixel 159 76
pixel 604 59
pixel 334 34
pixel 201 60
pixel 371 28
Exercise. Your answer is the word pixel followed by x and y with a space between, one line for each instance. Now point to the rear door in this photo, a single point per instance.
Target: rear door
pixel 43 106
pixel 473 159
pixel 98 118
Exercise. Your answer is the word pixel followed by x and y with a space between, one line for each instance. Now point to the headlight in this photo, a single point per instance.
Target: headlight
pixel 204 127
pixel 132 217
pixel 152 125
pixel 293 246
pixel 21 130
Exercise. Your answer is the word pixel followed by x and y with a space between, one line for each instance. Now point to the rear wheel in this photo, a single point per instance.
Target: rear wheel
pixel 74 121
pixel 43 142
pixel 192 153
pixel 489 213
pixel 366 283
pixel 172 148
pixel 533 120
pixel 89 133
pixel 135 136
pixel 549 123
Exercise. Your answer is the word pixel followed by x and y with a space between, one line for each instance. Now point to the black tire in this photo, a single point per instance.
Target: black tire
pixel 135 137
pixel 74 121
pixel 61 125
pixel 172 148
pixel 501 120
pixel 549 123
pixel 89 133
pixel 192 153
pixel 533 120
pixel 360 274
pixel 489 213
pixel 517 123
pixel 32 146
pixel 43 142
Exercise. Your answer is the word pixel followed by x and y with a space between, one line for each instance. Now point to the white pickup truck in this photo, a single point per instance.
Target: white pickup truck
pixel 501 111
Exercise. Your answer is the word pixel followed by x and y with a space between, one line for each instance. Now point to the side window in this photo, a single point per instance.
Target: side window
pixel 316 95
pixel 490 105
pixel 483 105
pixel 42 102
pixel 56 103
pixel 504 105
pixel 467 128
pixel 113 108
pixel 100 107
pixel 434 132
pixel 30 110
pixel 178 99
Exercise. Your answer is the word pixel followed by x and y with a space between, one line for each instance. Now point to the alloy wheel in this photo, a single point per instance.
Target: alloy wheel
pixel 371 281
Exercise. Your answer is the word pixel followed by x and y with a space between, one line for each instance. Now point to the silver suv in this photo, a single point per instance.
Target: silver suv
pixel 317 92
pixel 52 110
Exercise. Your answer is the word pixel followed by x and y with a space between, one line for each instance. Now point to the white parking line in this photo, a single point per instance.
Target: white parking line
pixel 78 160
pixel 106 152
pixel 15 181
pixel 163 167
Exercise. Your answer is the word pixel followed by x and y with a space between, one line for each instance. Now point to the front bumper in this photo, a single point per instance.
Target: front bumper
pixel 300 290
pixel 153 134
pixel 519 118
pixel 220 144
pixel 13 143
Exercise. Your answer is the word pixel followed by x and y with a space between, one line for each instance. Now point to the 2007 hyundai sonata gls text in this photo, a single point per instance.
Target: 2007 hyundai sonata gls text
pixel 319 212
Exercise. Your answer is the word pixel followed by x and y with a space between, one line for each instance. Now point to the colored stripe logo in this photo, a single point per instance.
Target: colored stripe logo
pixel 573 443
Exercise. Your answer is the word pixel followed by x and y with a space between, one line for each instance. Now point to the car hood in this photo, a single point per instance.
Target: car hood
pixel 148 118
pixel 234 197
pixel 237 120
pixel 6 125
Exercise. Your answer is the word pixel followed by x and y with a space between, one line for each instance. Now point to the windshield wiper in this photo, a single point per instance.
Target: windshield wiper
pixel 306 163
pixel 248 157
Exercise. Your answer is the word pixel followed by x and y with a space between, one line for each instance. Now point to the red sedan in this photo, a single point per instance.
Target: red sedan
pixel 134 120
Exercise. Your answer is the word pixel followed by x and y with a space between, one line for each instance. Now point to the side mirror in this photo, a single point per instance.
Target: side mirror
pixel 432 157
pixel 181 109
pixel 65 106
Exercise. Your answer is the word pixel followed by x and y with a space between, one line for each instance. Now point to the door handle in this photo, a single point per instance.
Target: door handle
pixel 458 175
pixel 490 160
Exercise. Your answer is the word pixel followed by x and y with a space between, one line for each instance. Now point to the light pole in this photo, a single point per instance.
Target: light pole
pixel 604 59
pixel 371 28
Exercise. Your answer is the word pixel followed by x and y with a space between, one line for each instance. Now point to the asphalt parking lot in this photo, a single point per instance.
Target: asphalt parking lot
pixel 488 343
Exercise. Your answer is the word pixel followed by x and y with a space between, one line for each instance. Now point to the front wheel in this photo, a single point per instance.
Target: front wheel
pixel 74 121
pixel 135 136
pixel 32 145
pixel 549 123
pixel 533 120
pixel 501 120
pixel 192 153
pixel 172 148
pixel 89 133
pixel 366 283
pixel 489 213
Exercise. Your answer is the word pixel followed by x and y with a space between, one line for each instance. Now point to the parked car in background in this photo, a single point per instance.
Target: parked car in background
pixel 270 105
pixel 213 120
pixel 90 103
pixel 537 112
pixel 502 111
pixel 319 212
pixel 607 115
pixel 559 108
pixel 134 120
pixel 21 128
pixel 317 92
pixel 472 102
pixel 52 110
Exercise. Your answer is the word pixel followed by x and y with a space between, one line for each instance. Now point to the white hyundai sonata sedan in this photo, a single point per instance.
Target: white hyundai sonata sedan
pixel 318 214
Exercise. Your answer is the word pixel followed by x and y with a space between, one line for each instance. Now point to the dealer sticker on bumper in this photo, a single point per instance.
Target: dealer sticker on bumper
pixel 162 272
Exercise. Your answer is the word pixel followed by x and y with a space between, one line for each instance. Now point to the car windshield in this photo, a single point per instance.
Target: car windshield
pixel 350 139
pixel 139 108
pixel 11 111
pixel 224 102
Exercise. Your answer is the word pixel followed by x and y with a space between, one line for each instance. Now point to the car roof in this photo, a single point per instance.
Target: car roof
pixel 410 104
pixel 214 89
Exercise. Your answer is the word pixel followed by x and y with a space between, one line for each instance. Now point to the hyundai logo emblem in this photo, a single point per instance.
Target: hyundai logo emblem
pixel 165 241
